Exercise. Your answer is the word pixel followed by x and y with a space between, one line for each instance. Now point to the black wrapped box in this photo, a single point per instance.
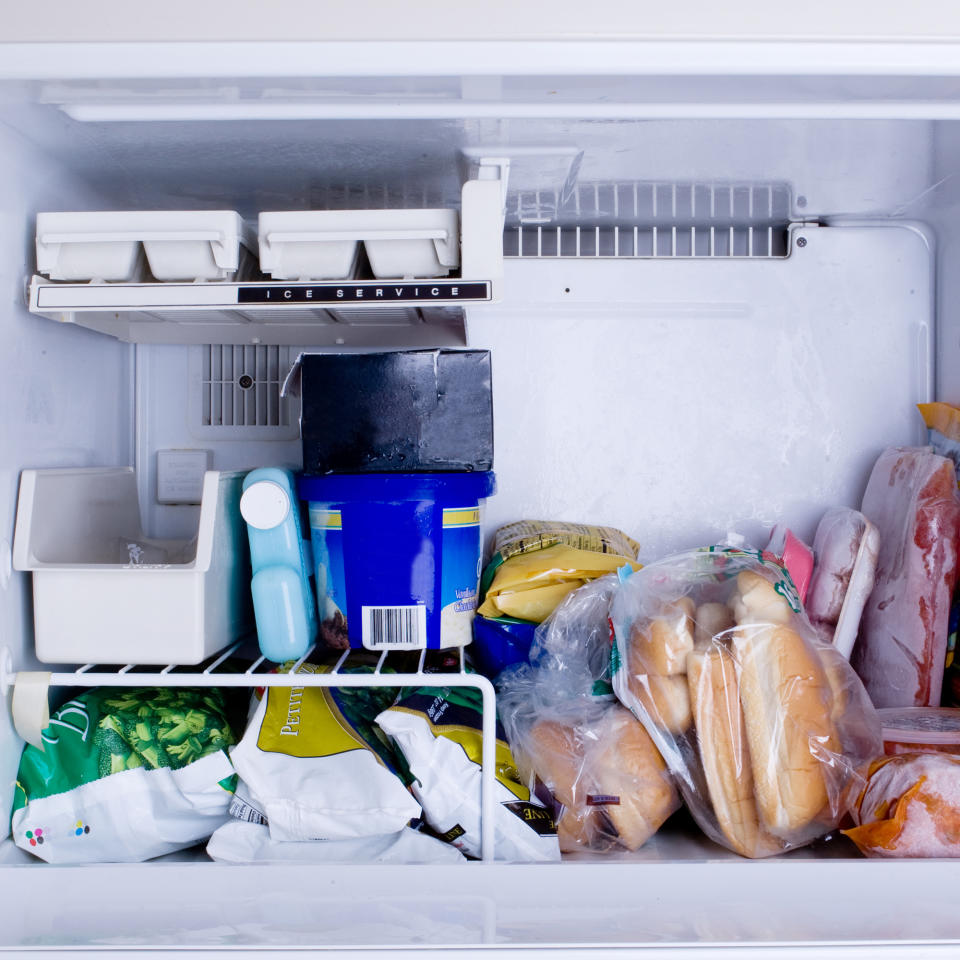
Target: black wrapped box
pixel 412 411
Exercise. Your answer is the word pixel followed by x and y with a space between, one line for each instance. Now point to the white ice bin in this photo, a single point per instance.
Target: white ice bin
pixel 307 245
pixel 180 245
pixel 103 592
pixel 324 244
pixel 413 243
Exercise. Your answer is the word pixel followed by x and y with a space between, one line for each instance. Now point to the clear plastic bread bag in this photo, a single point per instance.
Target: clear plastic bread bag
pixel 767 731
pixel 575 746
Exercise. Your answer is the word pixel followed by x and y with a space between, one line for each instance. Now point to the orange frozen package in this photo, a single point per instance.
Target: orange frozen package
pixel 910 807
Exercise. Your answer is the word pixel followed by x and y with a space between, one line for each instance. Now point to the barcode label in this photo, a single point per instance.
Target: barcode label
pixel 401 628
pixel 241 810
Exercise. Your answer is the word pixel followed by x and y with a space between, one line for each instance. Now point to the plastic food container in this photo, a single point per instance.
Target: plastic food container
pixel 414 243
pixel 307 245
pixel 500 643
pixel 103 592
pixel 283 597
pixel 920 730
pixel 325 244
pixel 397 557
pixel 179 245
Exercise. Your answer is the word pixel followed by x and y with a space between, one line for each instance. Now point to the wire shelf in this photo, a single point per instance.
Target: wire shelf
pixel 416 669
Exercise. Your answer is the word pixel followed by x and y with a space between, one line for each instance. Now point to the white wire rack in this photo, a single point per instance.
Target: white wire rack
pixel 651 220
pixel 218 673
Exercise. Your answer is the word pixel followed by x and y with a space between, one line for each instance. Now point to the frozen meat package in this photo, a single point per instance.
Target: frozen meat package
pixel 846 548
pixel 912 499
pixel 910 807
pixel 766 730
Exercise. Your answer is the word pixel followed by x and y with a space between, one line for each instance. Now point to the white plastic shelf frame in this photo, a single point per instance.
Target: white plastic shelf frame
pixel 382 313
pixel 218 672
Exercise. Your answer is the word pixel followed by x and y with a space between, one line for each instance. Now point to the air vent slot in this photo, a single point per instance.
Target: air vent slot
pixel 651 220
pixel 240 386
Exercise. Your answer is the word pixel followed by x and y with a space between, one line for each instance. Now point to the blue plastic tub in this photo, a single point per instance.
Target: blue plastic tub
pixel 397 557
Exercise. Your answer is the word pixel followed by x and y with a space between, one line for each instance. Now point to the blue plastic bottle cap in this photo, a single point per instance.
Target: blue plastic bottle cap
pixel 264 505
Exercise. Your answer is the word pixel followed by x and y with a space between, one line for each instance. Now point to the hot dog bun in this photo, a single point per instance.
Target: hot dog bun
pixel 666 700
pixel 711 619
pixel 756 600
pixel 787 702
pixel 718 716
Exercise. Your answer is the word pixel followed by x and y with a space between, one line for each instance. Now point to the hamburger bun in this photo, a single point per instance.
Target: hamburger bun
pixel 662 644
pixel 627 766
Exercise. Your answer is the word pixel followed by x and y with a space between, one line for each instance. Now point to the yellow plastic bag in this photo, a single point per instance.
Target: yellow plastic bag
pixel 529 586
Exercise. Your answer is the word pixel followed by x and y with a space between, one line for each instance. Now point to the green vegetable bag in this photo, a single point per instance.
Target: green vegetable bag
pixel 125 775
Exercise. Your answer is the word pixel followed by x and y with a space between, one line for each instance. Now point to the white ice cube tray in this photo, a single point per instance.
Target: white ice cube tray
pixel 179 245
pixel 103 592
pixel 325 244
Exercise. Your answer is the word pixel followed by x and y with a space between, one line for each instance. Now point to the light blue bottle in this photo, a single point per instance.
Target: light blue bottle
pixel 283 601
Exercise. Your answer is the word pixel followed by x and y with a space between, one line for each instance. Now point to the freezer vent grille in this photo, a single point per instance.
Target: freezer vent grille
pixel 240 386
pixel 651 220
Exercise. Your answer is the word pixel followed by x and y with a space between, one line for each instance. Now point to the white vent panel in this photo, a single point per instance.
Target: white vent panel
pixel 240 387
pixel 651 220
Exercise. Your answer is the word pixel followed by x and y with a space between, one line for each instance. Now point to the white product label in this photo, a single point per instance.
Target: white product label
pixel 400 628
pixel 240 809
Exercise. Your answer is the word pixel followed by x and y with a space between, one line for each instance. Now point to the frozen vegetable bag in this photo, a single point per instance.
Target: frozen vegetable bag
pixel 317 766
pixel 767 730
pixel 125 775
pixel 439 732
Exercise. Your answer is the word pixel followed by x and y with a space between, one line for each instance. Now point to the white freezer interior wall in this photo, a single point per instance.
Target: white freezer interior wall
pixel 66 394
pixel 603 413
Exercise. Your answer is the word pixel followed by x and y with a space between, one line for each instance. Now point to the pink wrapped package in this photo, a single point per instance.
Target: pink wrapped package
pixel 912 499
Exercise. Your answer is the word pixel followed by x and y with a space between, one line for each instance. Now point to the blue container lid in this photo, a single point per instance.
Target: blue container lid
pixel 384 487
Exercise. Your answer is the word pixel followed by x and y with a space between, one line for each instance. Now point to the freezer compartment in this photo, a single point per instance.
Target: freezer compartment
pixel 105 592
pixel 105 246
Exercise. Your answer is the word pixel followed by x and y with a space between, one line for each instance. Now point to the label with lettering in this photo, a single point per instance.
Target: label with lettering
pixel 460 578
pixel 342 294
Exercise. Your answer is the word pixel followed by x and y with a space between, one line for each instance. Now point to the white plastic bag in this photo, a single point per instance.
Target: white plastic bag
pixel 313 773
pixel 438 730
pixel 239 842
pixel 125 775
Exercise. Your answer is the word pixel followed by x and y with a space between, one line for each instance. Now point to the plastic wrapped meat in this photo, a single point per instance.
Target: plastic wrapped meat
pixel 912 499
pixel 910 808
pixel 846 549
